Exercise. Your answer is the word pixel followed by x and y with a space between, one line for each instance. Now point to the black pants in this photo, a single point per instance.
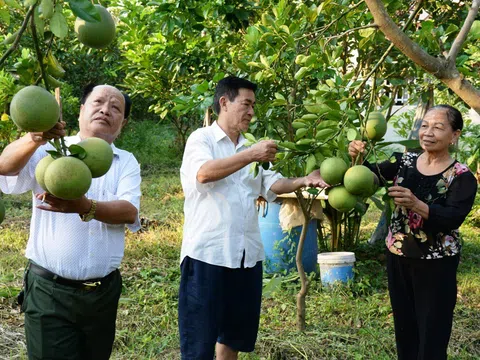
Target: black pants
pixel 423 294
pixel 67 323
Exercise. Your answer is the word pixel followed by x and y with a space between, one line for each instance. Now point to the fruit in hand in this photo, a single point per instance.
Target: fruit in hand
pixel 40 170
pixel 34 109
pixel 67 178
pixel 332 170
pixel 99 155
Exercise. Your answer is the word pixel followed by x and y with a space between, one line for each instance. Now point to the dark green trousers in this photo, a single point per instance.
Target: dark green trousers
pixel 67 323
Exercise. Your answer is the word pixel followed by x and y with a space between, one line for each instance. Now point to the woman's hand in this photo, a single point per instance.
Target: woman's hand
pixel 403 197
pixel 355 148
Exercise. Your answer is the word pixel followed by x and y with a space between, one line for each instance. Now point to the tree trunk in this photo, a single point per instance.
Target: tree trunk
pixel 303 277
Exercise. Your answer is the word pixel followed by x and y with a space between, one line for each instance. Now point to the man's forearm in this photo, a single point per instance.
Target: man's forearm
pixel 287 185
pixel 116 212
pixel 16 155
pixel 214 170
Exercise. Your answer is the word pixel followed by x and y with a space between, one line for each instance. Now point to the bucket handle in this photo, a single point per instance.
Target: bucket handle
pixel 264 204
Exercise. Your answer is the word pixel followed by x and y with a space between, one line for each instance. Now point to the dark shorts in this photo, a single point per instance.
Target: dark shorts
pixel 218 304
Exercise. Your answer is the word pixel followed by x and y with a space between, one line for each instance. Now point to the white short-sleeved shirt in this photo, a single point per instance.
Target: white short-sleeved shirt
pixel 221 220
pixel 62 243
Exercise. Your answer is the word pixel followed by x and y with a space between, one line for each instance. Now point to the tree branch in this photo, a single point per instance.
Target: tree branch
pixel 462 35
pixel 384 56
pixel 402 41
pixel 19 35
pixel 39 52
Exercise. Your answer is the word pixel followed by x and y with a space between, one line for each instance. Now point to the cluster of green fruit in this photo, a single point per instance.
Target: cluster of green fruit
pixel 34 109
pixel 70 177
pixel 357 181
pixel 349 184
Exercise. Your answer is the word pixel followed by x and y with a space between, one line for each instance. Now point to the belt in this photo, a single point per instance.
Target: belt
pixel 89 284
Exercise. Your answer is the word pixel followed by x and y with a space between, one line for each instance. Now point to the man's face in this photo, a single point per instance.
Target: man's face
pixel 240 111
pixel 102 115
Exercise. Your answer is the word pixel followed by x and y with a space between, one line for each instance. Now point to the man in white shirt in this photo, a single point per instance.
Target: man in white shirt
pixel 72 283
pixel 222 252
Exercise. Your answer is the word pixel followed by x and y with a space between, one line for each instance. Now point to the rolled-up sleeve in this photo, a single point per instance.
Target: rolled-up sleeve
pixel 197 152
pixel 459 202
pixel 269 178
pixel 25 180
pixel 129 188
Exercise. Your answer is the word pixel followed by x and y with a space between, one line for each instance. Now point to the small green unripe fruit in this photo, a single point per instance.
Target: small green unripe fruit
pixel 332 170
pixel 68 178
pixel 376 126
pixel 358 180
pixel 99 155
pixel 341 200
pixel 96 34
pixel 40 170
pixel 2 211
pixel 34 109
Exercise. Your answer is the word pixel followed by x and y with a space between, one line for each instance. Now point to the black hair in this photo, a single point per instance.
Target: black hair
pixel 454 116
pixel 229 87
pixel 89 88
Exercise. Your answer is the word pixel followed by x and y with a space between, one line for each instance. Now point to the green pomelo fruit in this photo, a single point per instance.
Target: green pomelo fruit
pixel 375 186
pixel 34 109
pixel 40 170
pixel 2 211
pixel 376 126
pixel 99 155
pixel 341 200
pixel 96 34
pixel 358 180
pixel 332 170
pixel 68 178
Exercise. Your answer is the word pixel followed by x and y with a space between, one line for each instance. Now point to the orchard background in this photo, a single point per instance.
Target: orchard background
pixel 330 63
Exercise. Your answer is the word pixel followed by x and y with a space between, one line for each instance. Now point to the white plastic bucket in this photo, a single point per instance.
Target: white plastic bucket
pixel 336 266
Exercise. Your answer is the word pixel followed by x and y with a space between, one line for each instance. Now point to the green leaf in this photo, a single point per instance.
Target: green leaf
pixel 55 154
pixel 5 16
pixel 85 10
pixel 272 286
pixel 264 61
pixel 365 33
pixel 13 4
pixel 250 137
pixel 58 24
pixel 311 164
pixel 352 134
pixel 252 36
pixel 29 3
pixel 77 151
pixel 475 30
pixel 46 8
pixel 301 73
pixel 279 96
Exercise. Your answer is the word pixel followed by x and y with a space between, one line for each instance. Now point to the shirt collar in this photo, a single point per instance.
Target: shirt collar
pixel 219 134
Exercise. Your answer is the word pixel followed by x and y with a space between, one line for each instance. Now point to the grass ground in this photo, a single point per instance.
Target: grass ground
pixel 349 322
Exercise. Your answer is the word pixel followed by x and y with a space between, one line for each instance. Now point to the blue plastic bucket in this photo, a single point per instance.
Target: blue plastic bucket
pixel 281 246
pixel 336 266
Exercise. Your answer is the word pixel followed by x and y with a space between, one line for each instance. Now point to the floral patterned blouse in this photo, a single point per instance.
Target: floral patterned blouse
pixel 449 196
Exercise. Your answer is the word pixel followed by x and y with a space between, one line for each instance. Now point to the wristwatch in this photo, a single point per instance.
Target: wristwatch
pixel 91 213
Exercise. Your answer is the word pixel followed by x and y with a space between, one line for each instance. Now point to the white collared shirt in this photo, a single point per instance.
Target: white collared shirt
pixel 62 243
pixel 221 220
